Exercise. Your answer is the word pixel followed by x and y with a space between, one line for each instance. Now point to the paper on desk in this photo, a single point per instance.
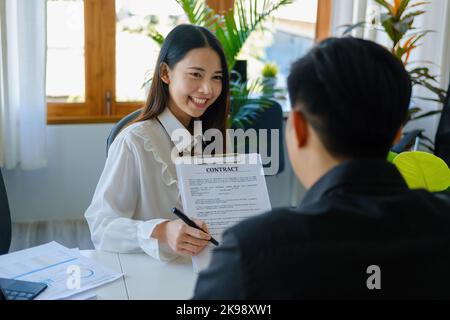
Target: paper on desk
pixel 88 295
pixel 58 267
pixel 222 193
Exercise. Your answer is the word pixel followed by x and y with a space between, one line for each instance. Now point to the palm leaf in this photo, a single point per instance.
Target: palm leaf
pixel 402 7
pixel 238 24
pixel 428 99
pixel 198 12
pixel 249 112
pixel 156 36
pixel 425 115
pixel 350 27
pixel 386 5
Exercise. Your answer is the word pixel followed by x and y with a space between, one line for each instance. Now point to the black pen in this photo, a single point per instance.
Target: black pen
pixel 191 223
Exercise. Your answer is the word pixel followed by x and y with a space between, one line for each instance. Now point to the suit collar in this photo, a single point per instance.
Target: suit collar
pixel 360 174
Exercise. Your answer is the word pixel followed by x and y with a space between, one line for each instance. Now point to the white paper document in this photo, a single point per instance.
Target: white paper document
pixel 67 273
pixel 221 191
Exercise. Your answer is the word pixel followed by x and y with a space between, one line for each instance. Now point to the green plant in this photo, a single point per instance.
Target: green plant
pixel 397 21
pixel 269 70
pixel 235 26
pixel 422 170
pixel 243 95
pixel 233 29
pixel 269 80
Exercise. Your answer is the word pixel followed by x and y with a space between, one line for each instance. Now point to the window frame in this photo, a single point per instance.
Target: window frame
pixel 100 64
pixel 100 48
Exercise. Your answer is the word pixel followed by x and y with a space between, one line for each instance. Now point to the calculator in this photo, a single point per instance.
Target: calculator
pixel 20 290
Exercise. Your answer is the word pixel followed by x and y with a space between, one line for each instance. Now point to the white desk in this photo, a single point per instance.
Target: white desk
pixel 144 277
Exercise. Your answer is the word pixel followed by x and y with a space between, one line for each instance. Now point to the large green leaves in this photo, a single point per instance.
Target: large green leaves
pixel 397 21
pixel 235 26
pixel 247 16
pixel 199 13
pixel 423 170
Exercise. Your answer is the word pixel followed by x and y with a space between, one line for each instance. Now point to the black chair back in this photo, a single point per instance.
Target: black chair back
pixel 408 140
pixel 270 119
pixel 119 126
pixel 5 219
pixel 442 144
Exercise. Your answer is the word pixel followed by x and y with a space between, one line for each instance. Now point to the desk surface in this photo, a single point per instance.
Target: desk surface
pixel 144 277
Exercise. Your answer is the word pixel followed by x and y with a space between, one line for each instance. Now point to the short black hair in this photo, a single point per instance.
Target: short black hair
pixel 354 93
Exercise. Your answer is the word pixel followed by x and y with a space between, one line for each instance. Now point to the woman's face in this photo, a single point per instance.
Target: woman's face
pixel 195 82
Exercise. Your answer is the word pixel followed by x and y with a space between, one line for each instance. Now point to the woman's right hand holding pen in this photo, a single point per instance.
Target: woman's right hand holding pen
pixel 182 238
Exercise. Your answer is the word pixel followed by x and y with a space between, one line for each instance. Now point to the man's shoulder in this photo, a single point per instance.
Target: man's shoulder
pixel 271 226
pixel 337 218
pixel 278 216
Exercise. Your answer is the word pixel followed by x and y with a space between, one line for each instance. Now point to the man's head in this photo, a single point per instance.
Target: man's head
pixel 349 98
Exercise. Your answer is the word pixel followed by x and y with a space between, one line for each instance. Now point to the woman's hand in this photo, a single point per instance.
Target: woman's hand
pixel 182 238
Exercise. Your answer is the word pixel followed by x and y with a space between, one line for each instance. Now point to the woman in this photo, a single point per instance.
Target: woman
pixel 130 210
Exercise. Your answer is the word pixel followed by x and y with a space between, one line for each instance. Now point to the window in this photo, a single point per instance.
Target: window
pixel 292 32
pixel 136 52
pixel 65 42
pixel 99 55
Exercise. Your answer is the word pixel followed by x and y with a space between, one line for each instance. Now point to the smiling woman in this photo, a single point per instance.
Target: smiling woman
pixel 194 83
pixel 130 208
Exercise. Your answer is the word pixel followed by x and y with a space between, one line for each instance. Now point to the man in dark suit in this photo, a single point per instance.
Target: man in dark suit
pixel 359 231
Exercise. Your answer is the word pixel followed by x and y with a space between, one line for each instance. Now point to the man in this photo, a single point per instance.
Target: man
pixel 359 231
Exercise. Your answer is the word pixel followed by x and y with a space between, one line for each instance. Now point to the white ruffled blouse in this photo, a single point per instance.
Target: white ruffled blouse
pixel 137 189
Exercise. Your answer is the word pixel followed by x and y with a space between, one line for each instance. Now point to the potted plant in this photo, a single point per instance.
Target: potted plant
pixel 269 74
pixel 397 21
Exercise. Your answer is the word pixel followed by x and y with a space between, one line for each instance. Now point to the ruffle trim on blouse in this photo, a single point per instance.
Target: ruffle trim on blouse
pixel 167 177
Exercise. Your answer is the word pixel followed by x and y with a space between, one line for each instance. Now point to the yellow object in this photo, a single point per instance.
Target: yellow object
pixel 269 70
pixel 423 170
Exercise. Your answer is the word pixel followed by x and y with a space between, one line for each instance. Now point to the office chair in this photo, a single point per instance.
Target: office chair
pixel 410 139
pixel 119 126
pixel 270 119
pixel 5 219
pixel 442 144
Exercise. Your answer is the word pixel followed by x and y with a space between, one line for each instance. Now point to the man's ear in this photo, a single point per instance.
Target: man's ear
pixel 398 137
pixel 301 128
pixel 164 73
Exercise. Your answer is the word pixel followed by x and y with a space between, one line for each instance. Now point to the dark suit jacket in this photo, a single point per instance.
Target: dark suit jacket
pixel 359 214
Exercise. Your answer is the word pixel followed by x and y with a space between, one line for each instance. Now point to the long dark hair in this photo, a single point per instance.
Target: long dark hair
pixel 177 44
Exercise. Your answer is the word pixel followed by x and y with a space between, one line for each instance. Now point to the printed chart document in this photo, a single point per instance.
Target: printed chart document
pixel 68 274
pixel 221 191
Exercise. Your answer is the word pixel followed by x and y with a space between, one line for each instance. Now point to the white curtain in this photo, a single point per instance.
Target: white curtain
pixel 435 46
pixel 22 84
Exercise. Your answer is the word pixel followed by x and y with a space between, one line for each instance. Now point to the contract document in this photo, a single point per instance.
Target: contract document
pixel 221 191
